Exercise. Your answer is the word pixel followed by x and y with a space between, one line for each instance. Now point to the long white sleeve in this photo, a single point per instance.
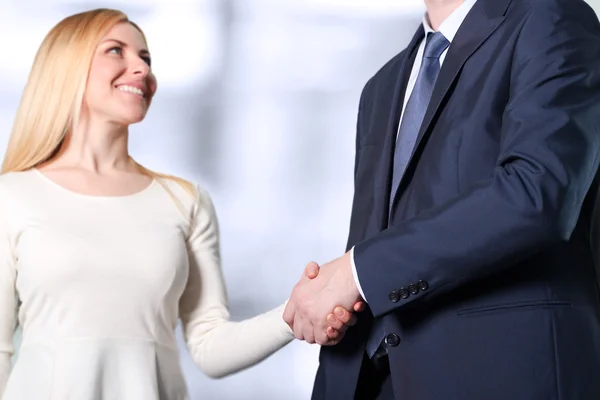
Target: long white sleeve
pixel 218 346
pixel 8 302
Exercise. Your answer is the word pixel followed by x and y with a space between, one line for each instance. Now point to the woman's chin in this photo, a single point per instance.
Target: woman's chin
pixel 132 118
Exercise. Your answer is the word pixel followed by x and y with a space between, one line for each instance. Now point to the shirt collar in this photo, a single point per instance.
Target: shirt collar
pixel 451 24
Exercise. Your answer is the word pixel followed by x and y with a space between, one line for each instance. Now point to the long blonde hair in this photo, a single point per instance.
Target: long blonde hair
pixel 51 102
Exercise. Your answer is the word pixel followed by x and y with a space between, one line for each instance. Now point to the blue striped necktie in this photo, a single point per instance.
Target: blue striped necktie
pixel 412 119
pixel 413 115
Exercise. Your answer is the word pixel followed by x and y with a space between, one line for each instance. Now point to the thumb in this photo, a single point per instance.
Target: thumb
pixel 311 270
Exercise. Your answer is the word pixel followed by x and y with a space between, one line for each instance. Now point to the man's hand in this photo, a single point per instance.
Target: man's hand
pixel 309 310
pixel 339 319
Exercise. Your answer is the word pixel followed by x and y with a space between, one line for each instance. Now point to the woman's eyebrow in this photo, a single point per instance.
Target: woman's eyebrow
pixel 142 51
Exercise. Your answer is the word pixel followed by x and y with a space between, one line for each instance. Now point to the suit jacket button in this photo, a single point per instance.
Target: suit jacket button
pixel 394 296
pixel 392 340
pixel 403 293
pixel 413 289
pixel 423 285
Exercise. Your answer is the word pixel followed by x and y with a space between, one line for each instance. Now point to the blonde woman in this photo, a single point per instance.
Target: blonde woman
pixel 100 256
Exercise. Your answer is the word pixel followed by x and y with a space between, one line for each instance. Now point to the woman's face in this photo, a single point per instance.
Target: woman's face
pixel 120 82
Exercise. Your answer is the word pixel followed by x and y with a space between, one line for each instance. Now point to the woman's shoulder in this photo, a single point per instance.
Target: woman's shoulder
pixel 15 188
pixel 16 182
pixel 191 194
pixel 15 177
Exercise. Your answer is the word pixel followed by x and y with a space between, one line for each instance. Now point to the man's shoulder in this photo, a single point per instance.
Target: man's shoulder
pixel 553 9
pixel 539 23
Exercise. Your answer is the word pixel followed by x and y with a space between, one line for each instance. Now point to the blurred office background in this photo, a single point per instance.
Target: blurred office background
pixel 257 102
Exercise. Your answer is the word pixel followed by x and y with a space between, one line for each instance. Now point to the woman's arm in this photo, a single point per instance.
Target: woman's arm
pixel 8 300
pixel 218 346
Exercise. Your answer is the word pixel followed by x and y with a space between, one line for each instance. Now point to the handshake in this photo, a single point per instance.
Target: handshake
pixel 324 302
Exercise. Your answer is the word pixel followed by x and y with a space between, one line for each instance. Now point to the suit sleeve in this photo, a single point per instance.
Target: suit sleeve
pixel 550 140
pixel 218 346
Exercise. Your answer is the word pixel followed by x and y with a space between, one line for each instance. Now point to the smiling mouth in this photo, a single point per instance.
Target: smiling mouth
pixel 132 89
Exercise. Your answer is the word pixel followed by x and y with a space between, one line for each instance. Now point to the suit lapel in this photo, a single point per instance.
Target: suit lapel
pixel 399 75
pixel 483 19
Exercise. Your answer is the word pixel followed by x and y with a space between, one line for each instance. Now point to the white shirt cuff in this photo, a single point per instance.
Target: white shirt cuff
pixel 355 274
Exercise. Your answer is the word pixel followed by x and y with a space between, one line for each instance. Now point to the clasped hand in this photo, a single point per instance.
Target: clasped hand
pixel 318 310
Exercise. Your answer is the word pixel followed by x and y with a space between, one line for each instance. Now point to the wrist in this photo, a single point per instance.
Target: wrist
pixel 349 283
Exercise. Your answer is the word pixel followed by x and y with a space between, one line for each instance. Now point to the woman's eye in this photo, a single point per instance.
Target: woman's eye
pixel 115 50
pixel 147 60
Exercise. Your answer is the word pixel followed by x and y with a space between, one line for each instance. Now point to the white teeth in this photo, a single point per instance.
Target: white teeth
pixel 131 89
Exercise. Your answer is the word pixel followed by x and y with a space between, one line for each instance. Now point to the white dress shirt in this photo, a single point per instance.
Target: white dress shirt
pixel 448 28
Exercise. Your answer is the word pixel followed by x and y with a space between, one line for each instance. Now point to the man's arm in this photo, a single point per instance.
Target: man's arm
pixel 550 147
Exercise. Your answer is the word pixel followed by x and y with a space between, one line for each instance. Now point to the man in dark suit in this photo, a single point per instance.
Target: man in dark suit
pixel 477 154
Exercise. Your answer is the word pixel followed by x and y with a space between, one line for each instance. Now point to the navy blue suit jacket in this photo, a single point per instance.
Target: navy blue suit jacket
pixel 485 272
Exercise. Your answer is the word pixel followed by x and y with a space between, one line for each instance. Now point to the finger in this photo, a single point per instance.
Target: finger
pixel 308 332
pixel 288 314
pixel 322 338
pixel 311 266
pixel 320 332
pixel 359 306
pixel 342 314
pixel 333 335
pixel 331 342
pixel 304 328
pixel 352 320
pixel 335 323
pixel 311 270
pixel 298 328
pixel 345 316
